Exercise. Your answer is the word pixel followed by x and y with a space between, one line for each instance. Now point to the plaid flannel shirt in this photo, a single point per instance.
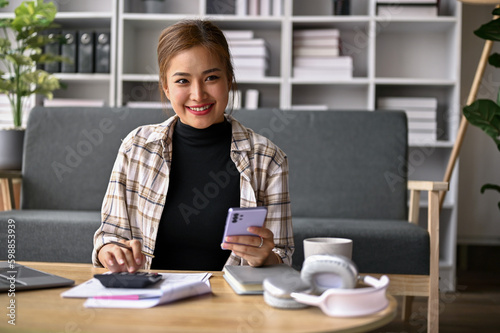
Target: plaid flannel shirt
pixel 135 197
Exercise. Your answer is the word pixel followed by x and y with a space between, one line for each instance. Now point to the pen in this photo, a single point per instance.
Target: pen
pixel 128 247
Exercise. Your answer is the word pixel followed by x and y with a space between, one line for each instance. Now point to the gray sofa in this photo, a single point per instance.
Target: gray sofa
pixel 346 180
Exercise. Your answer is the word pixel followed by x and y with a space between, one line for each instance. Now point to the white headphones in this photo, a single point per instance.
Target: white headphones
pixel 334 279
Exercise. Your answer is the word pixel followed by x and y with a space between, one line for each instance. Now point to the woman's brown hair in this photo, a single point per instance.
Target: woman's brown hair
pixel 186 34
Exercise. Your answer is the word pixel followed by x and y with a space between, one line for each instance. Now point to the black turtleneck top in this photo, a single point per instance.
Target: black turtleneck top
pixel 204 184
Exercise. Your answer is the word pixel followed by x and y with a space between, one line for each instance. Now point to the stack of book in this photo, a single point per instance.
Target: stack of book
pixel 421 113
pixel 400 8
pixel 250 55
pixel 259 7
pixel 316 55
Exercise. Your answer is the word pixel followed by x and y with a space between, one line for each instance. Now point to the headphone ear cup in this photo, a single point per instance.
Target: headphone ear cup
pixel 278 290
pixel 324 272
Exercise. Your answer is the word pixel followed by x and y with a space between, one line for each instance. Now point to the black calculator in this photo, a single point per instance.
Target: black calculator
pixel 128 280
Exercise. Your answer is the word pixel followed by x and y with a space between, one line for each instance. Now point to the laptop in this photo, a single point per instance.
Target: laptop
pixel 27 278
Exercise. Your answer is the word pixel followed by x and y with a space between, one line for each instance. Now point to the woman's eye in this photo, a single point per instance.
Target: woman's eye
pixel 181 81
pixel 212 78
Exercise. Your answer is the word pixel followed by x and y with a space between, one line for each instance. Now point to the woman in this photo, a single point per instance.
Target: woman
pixel 172 183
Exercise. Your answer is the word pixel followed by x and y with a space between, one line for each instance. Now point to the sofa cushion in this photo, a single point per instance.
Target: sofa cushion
pixel 48 235
pixel 379 246
pixel 343 164
pixel 69 154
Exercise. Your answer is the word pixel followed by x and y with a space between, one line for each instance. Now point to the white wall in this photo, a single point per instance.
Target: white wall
pixel 478 214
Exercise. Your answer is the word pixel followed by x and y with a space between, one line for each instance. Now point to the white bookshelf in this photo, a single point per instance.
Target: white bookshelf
pixel 95 15
pixel 392 56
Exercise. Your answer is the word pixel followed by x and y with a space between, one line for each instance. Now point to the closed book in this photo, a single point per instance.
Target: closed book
pixel 253 7
pixel 265 8
pixel 252 99
pixel 102 52
pixel 405 102
pixel 85 52
pixel 316 52
pixel 277 9
pixel 241 7
pixel 315 33
pixel 53 48
pixel 249 73
pixel 309 73
pixel 248 51
pixel 69 50
pixel 238 34
pixel 322 62
pixel 401 2
pixel 407 11
pixel 422 125
pixel 249 280
pixel 250 62
pixel 315 42
pixel 246 42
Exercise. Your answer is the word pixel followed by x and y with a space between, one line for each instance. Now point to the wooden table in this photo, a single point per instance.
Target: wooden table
pixel 222 311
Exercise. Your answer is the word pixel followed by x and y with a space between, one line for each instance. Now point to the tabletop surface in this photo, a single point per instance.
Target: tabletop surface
pixel 222 311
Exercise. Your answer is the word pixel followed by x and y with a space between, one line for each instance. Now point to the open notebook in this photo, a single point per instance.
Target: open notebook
pixel 20 277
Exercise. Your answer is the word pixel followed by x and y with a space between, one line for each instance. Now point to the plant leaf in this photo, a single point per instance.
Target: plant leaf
pixel 490 30
pixel 485 114
pixel 494 60
pixel 3 3
pixel 19 59
pixel 490 187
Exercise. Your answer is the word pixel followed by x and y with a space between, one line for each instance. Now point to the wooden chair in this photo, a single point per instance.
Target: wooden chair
pixel 410 286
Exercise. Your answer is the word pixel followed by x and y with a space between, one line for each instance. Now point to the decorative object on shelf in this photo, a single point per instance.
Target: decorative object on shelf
pixel 153 6
pixel 21 53
pixel 471 98
pixel 485 113
pixel 341 7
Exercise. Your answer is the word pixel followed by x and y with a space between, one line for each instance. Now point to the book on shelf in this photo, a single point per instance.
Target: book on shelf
pixel 323 62
pixel 60 102
pixel 316 52
pixel 246 42
pixel 311 73
pixel 249 73
pixel 250 62
pixel 403 102
pixel 248 51
pixel 249 280
pixel 400 2
pixel 238 34
pixel 407 11
pixel 234 100
pixel 316 33
pixel 252 99
pixel 259 7
pixel 315 42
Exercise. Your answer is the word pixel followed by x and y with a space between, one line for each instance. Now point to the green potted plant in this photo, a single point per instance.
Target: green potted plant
pixel 485 113
pixel 22 40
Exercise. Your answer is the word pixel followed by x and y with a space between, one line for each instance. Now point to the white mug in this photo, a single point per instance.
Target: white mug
pixel 328 245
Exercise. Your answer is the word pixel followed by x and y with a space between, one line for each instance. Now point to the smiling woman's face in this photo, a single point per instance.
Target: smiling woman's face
pixel 197 87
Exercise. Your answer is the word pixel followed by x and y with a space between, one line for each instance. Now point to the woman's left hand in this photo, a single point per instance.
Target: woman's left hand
pixel 257 250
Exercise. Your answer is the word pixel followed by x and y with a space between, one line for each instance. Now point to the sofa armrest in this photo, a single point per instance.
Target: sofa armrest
pixel 6 177
pixel 415 187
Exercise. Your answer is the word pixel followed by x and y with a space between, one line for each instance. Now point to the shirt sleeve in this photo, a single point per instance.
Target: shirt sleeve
pixel 115 224
pixel 279 218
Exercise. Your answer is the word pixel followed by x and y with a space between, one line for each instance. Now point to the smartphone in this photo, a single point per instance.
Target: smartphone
pixel 239 219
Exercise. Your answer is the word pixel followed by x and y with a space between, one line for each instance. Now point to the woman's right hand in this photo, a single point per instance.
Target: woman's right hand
pixel 119 259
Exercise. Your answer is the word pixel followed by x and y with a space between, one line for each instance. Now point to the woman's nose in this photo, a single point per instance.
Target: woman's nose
pixel 197 92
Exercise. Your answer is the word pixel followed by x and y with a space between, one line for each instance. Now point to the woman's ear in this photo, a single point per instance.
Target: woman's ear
pixel 165 90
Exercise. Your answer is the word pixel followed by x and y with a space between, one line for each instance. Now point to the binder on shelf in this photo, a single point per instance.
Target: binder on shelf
pixel 102 52
pixel 251 99
pixel 85 52
pixel 69 50
pixel 54 49
pixel 241 7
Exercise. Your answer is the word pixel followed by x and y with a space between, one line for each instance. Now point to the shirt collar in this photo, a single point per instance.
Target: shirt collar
pixel 240 138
